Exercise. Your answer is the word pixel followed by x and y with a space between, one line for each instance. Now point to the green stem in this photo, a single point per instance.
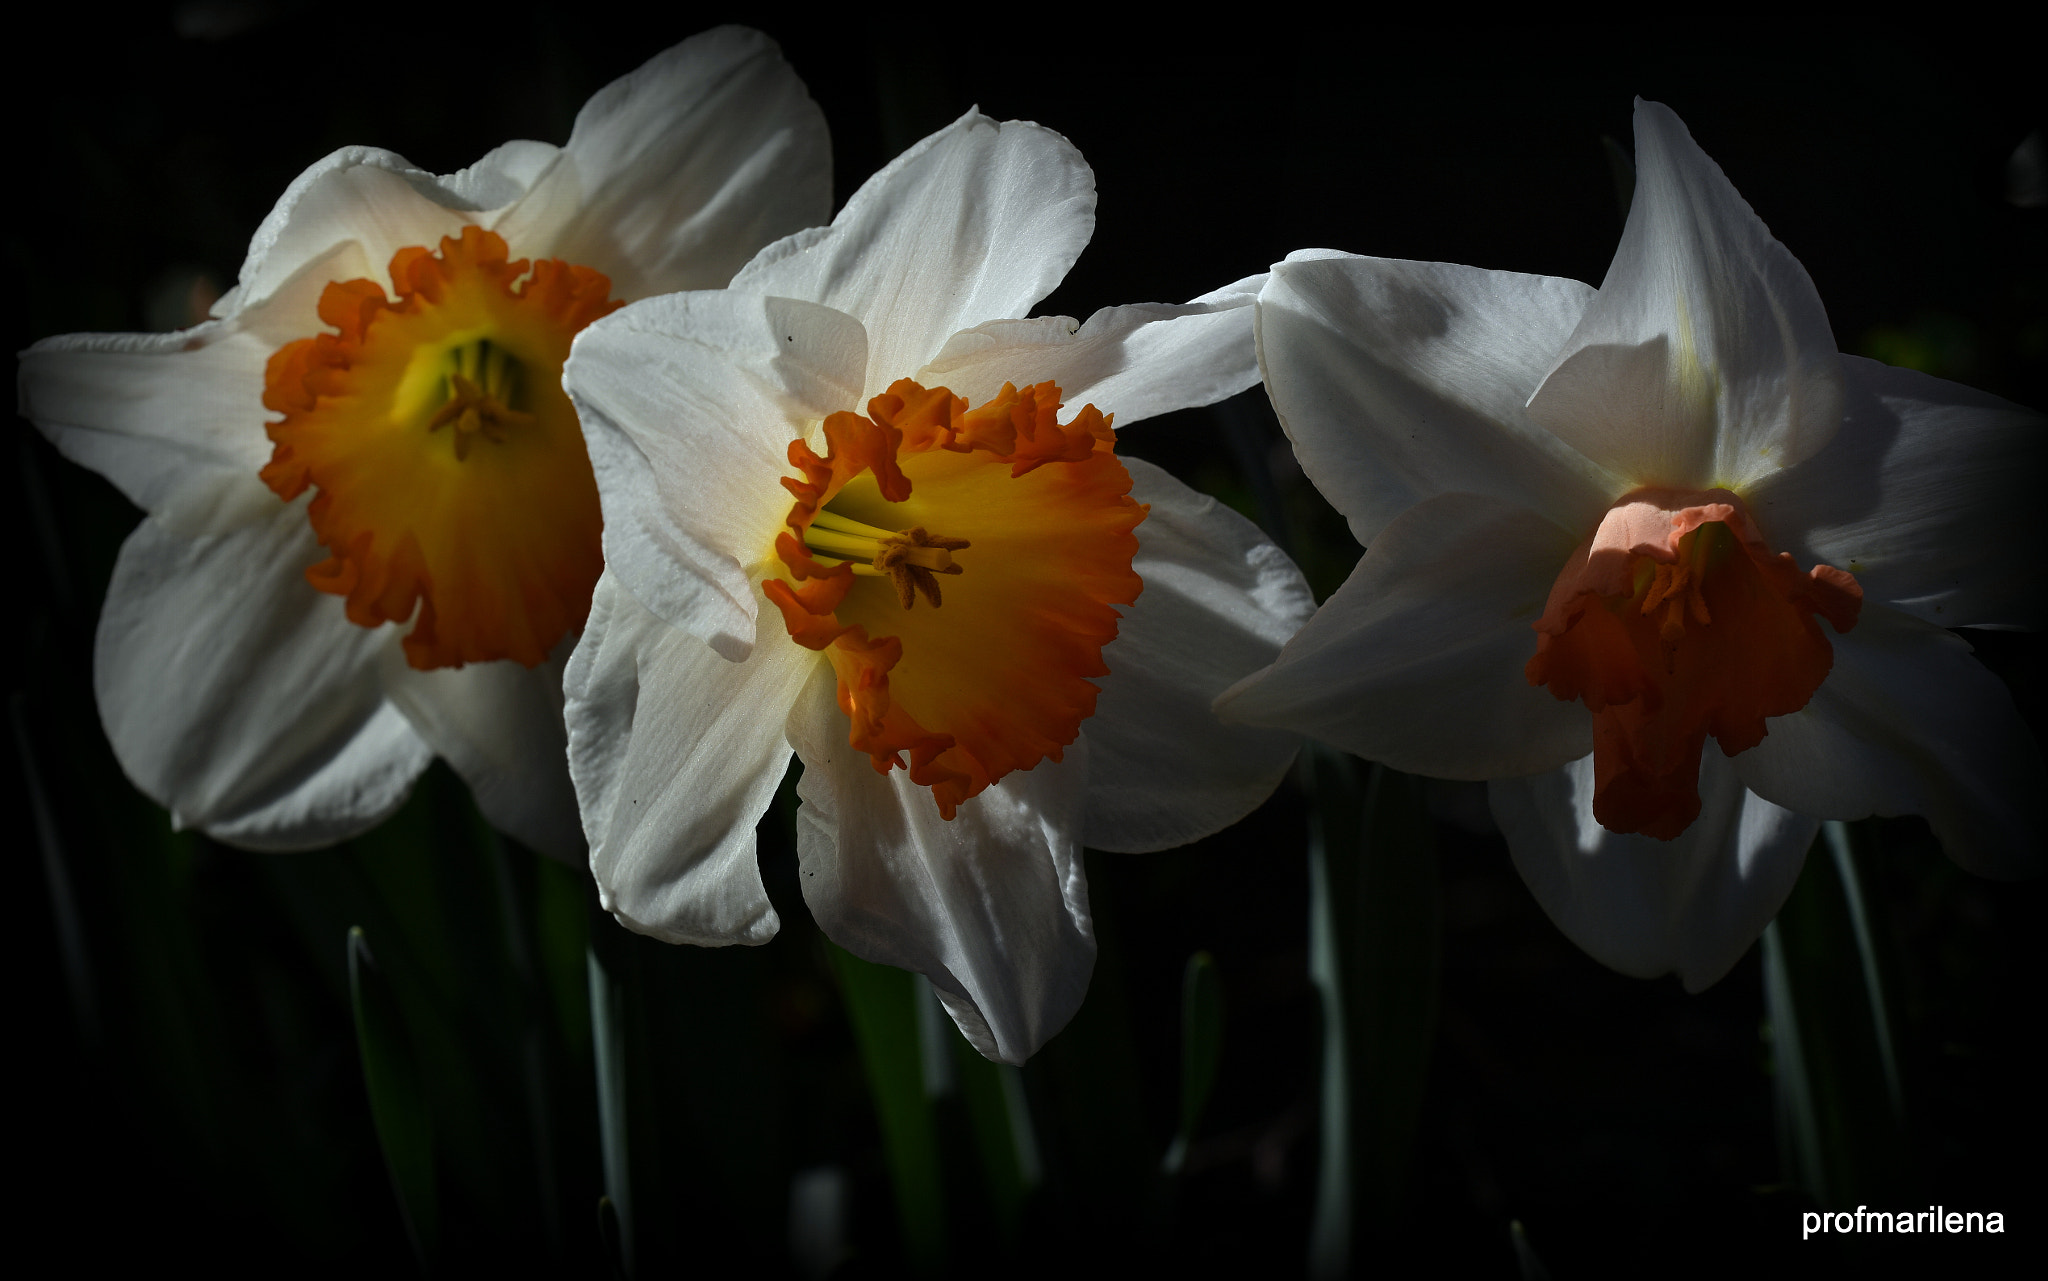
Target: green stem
pixel 882 1001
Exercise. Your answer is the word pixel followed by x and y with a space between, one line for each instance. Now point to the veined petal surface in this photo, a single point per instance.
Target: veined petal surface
pixel 253 710
pixel 1706 360
pixel 1930 495
pixel 166 417
pixel 349 213
pixel 1398 381
pixel 1138 361
pixel 504 174
pixel 678 172
pixel 499 725
pixel 676 753
pixel 1909 723
pixel 1219 601
pixel 1648 907
pixel 689 403
pixel 1417 659
pixel 992 907
pixel 975 223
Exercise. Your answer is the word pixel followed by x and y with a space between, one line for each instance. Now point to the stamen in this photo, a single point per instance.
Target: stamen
pixel 490 562
pixel 997 680
pixel 910 558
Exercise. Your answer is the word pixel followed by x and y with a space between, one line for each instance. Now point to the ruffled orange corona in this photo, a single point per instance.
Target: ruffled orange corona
pixel 451 470
pixel 1672 622
pixel 958 567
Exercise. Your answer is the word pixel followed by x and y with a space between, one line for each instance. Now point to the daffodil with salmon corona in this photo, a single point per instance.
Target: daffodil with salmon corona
pixel 1659 562
pixel 372 529
pixel 856 507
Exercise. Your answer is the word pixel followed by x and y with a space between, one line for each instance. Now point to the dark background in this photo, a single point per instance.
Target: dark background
pixel 184 1076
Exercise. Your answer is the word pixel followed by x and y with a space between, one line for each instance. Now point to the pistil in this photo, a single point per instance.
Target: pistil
pixel 484 384
pixel 492 561
pixel 910 557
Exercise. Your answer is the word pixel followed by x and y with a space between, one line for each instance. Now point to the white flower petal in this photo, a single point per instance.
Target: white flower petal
pixel 677 173
pixel 1647 907
pixel 670 798
pixel 689 403
pixel 505 174
pixel 1909 723
pixel 1399 381
pixel 500 726
pixel 347 214
pixel 243 699
pixel 1706 359
pixel 975 223
pixel 1219 601
pixel 1417 659
pixel 1930 495
pixel 174 420
pixel 992 906
pixel 1133 362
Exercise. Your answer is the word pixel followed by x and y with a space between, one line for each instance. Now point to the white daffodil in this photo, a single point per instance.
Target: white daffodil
pixel 250 667
pixel 1605 526
pixel 835 525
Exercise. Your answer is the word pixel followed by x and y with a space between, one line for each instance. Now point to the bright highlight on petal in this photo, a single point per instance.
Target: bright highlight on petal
pixel 1675 621
pixel 451 470
pixel 958 566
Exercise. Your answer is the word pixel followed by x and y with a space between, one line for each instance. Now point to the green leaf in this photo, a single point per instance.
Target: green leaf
pixel 882 1001
pixel 1004 1137
pixel 609 1241
pixel 398 1104
pixel 1841 1107
pixel 608 1037
pixel 1201 1050
pixel 1374 943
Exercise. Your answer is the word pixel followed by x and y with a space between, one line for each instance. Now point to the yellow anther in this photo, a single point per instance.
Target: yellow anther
pixel 486 408
pixel 910 557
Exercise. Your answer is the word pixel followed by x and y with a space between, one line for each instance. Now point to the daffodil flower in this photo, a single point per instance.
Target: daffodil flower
pixel 410 330
pixel 1659 562
pixel 845 518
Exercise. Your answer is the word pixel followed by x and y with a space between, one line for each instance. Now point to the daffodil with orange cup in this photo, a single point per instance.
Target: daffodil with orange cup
pixel 371 432
pixel 858 508
pixel 1659 562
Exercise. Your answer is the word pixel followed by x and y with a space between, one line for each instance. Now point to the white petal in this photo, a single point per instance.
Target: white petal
pixel 1706 359
pixel 676 754
pixel 1398 381
pixel 1930 495
pixel 346 215
pixel 243 699
pixel 689 403
pixel 1647 907
pixel 992 906
pixel 677 173
pixel 1219 601
pixel 1133 362
pixel 500 726
pixel 1909 723
pixel 506 173
pixel 1417 659
pixel 977 222
pixel 175 420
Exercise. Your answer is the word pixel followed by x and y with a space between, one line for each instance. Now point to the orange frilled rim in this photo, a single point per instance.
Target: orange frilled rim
pixel 451 472
pixel 1675 621
pixel 983 667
